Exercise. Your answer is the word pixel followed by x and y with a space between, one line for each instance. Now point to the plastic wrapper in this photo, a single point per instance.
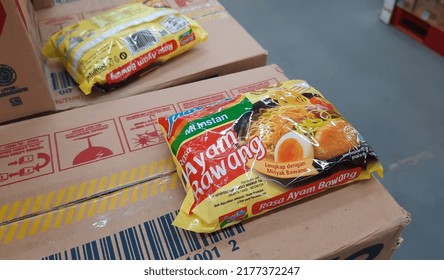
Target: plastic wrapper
pixel 245 156
pixel 114 47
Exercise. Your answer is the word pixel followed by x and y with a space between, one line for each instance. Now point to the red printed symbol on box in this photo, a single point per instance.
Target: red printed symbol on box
pixel 25 159
pixel 88 144
pixel 253 87
pixel 141 129
pixel 202 101
pixel 184 3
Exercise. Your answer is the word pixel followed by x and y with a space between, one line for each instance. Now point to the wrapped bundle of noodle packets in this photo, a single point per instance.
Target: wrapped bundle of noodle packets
pixel 112 48
pixel 261 150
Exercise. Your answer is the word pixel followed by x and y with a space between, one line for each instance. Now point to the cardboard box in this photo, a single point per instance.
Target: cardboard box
pixel 71 156
pixel 359 221
pixel 431 11
pixel 215 57
pixel 24 88
pixel 407 5
pixel 229 49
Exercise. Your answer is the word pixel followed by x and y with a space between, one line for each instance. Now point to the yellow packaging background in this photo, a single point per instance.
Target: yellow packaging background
pixel 94 47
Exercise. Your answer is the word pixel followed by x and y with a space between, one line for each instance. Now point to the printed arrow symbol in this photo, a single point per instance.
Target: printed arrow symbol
pixel 13 174
pixel 46 161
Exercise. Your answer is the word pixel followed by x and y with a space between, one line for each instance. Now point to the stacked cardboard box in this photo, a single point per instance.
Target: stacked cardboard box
pixel 431 11
pixel 98 182
pixel 407 5
pixel 24 88
pixel 219 55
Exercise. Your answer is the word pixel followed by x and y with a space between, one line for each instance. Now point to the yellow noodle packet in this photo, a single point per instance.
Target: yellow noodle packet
pixel 245 156
pixel 116 46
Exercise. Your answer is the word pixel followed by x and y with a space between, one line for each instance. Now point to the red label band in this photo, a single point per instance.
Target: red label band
pixel 187 39
pixel 319 186
pixel 140 62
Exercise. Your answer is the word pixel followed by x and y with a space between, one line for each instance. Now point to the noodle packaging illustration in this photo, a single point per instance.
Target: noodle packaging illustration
pixel 242 157
pixel 119 45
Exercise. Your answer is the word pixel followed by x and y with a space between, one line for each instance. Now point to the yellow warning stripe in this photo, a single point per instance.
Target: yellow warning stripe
pixel 59 219
pixel 102 184
pixel 34 228
pixel 3 211
pixel 103 206
pixel 65 195
pixel 25 207
pixel 2 232
pixel 9 236
pixel 87 210
pixel 14 209
pixel 144 194
pixel 92 209
pixel 23 229
pixel 59 197
pixel 112 181
pixel 69 215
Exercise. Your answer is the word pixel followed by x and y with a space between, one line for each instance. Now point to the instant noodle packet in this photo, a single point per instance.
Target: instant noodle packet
pixel 264 149
pixel 116 46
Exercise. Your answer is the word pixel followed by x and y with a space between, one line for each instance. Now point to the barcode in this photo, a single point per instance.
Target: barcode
pixel 140 41
pixel 61 80
pixel 156 239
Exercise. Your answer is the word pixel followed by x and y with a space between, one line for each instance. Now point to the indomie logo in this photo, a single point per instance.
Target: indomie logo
pixel 173 118
pixel 233 216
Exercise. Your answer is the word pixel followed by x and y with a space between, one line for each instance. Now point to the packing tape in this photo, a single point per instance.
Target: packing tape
pixel 79 212
pixel 41 203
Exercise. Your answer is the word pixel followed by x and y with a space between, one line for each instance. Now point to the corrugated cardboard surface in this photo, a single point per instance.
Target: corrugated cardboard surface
pixel 358 221
pixel 229 49
pixel 67 157
pixel 407 5
pixel 23 87
pixel 431 11
pixel 42 4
